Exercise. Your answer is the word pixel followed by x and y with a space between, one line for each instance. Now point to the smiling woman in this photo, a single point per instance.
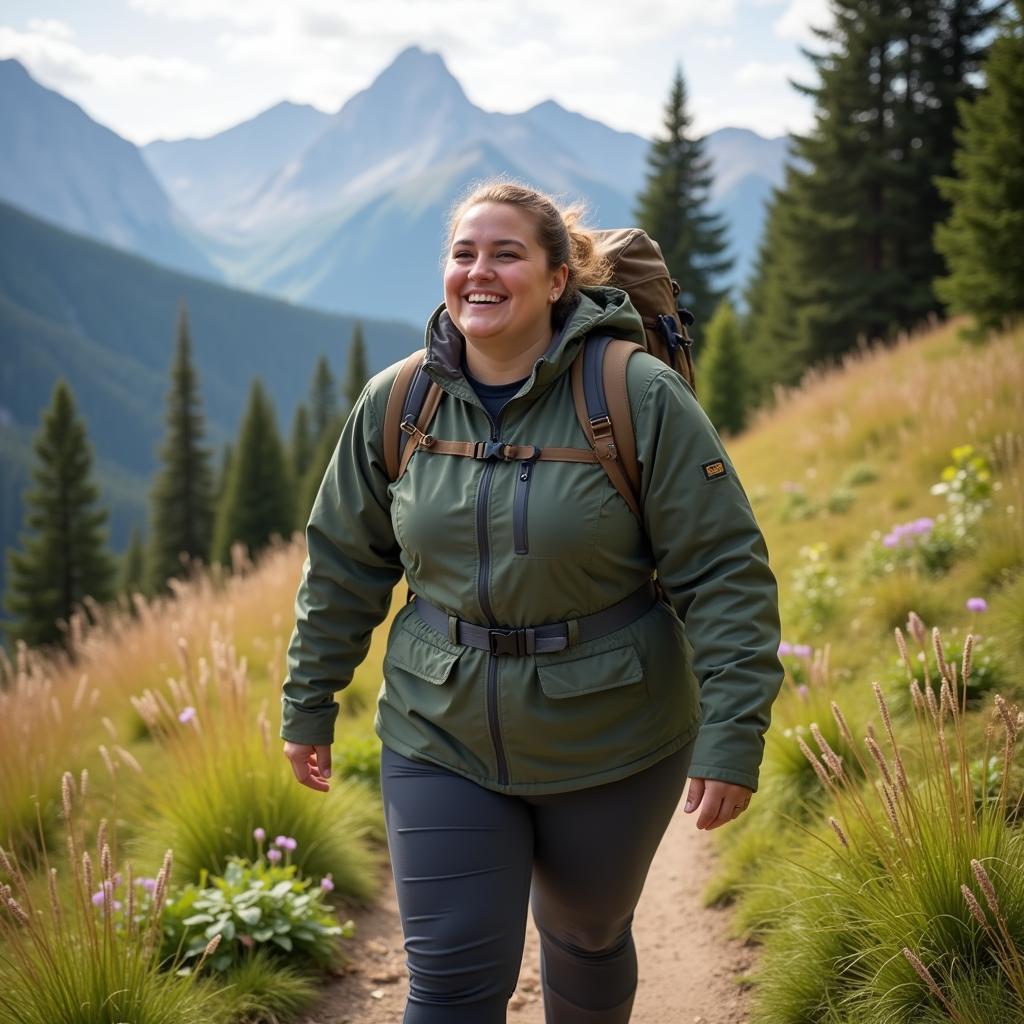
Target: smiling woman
pixel 542 695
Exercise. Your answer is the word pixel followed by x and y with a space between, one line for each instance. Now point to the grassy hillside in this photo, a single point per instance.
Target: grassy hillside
pixel 840 463
pixel 891 494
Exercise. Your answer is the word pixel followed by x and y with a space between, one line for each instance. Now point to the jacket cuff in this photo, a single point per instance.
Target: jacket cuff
pixel 720 774
pixel 314 726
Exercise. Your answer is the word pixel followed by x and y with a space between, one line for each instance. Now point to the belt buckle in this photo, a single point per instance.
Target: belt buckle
pixel 516 642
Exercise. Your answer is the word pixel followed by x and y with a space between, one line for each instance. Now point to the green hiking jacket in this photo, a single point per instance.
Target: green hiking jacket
pixel 601 709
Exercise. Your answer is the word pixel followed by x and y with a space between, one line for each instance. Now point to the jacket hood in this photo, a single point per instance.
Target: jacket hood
pixel 599 309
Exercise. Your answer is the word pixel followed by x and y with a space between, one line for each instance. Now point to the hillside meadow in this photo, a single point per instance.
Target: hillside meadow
pixel 881 864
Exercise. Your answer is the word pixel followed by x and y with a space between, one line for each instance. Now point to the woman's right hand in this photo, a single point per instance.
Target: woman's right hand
pixel 311 764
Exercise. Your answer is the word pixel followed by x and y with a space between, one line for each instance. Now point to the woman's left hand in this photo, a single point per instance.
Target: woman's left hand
pixel 719 802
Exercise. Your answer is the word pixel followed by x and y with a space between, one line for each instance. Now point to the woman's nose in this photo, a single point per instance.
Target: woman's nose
pixel 481 268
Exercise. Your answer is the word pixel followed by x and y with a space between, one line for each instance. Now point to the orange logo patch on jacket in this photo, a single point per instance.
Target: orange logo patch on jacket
pixel 713 470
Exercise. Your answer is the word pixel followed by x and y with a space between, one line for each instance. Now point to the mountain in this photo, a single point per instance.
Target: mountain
pixel 200 174
pixel 346 211
pixel 746 167
pixel 62 166
pixel 354 220
pixel 738 153
pixel 105 321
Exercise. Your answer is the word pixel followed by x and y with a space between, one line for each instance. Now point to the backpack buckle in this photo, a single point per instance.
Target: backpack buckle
pixel 667 329
pixel 516 642
pixel 491 450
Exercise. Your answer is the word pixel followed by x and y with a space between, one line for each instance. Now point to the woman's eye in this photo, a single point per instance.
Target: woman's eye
pixel 509 255
pixel 460 255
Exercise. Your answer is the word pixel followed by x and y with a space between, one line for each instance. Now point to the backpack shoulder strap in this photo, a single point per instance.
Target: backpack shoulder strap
pixel 413 400
pixel 602 408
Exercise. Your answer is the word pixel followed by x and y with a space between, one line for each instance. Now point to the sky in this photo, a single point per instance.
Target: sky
pixel 153 69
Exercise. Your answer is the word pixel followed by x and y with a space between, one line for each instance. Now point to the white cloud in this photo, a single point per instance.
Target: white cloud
pixel 797 20
pixel 54 58
pixel 51 27
pixel 461 19
pixel 716 43
pixel 756 72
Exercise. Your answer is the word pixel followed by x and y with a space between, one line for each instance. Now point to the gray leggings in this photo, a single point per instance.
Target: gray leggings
pixel 464 858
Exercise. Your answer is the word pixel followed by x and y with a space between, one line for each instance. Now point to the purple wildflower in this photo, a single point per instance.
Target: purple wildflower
pixel 287 843
pixel 802 650
pixel 273 855
pixel 97 898
pixel 327 883
pixel 187 714
pixel 977 604
pixel 259 834
pixel 785 649
pixel 803 692
pixel 281 841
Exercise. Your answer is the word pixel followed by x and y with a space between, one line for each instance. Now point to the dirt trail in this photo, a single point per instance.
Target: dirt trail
pixel 688 964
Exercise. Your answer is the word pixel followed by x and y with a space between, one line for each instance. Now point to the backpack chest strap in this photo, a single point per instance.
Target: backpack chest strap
pixel 420 441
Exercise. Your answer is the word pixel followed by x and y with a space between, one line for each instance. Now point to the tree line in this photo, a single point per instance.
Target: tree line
pixel 903 202
pixel 263 487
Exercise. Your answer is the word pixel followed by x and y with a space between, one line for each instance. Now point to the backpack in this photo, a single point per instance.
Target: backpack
pixel 598 378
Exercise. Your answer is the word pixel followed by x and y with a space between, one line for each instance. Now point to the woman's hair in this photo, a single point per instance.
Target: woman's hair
pixel 559 232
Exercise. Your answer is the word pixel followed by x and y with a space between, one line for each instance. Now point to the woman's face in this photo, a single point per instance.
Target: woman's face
pixel 498 288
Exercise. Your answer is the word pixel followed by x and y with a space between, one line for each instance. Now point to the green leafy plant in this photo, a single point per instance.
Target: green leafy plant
pixel 840 501
pixel 252 906
pixel 859 475
pixel 967 486
pixel 798 505
pixel 358 759
pixel 815 588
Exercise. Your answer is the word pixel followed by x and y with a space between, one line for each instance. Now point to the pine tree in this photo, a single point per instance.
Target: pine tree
pixel 848 251
pixel 673 209
pixel 323 400
pixel 301 444
pixel 65 557
pixel 357 372
pixel 721 373
pixel 223 476
pixel 182 497
pixel 309 485
pixel 132 578
pixel 774 350
pixel 983 240
pixel 258 502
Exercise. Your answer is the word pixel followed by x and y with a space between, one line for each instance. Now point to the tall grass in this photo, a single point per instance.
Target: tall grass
pixel 917 905
pixel 83 956
pixel 56 707
pixel 225 776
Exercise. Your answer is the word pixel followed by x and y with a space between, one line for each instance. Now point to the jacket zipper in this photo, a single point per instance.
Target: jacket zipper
pixel 482 502
pixel 520 503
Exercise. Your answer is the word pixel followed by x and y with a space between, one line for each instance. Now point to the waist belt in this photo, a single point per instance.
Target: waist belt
pixel 554 636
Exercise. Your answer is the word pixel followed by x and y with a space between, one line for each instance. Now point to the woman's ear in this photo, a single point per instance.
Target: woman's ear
pixel 558 282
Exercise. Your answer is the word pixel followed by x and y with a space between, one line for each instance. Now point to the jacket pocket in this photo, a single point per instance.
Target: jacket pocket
pixel 606 670
pixel 430 659
pixel 520 507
